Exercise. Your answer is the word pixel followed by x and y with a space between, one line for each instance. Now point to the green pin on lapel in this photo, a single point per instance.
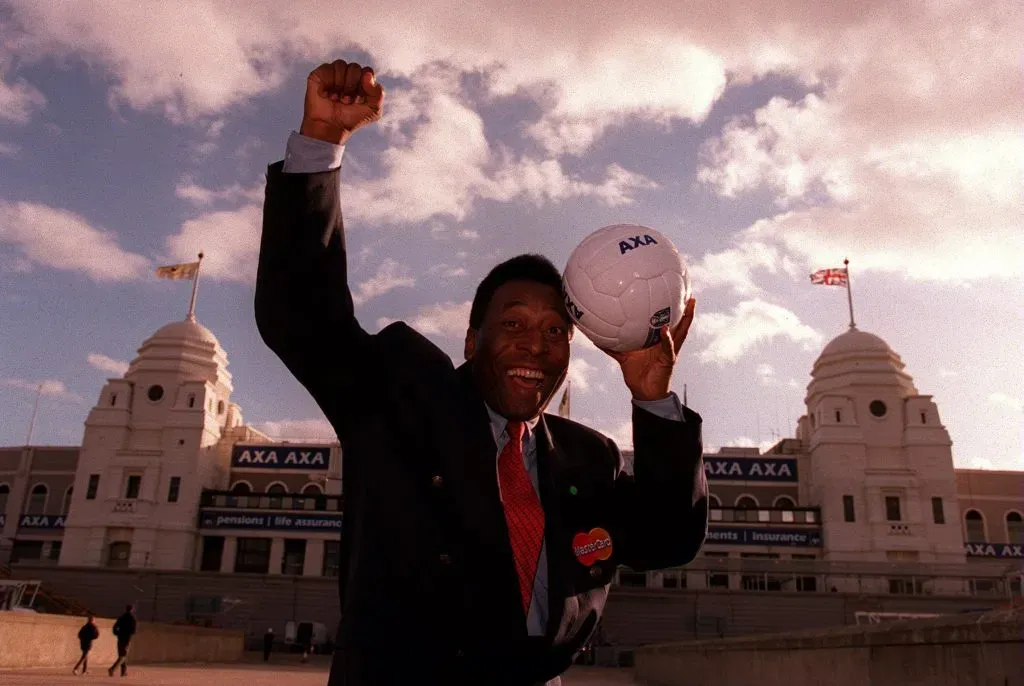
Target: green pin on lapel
pixel 572 490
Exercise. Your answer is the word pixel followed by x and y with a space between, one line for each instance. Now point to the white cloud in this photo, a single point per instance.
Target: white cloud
pixel 447 271
pixel 580 372
pixel 107 364
pixel 735 267
pixel 751 322
pixel 51 388
pixel 766 373
pixel 745 442
pixel 228 239
pixel 199 196
pixel 447 320
pixel 390 275
pixel 18 100
pixel 440 163
pixel 1007 401
pixel 621 434
pixel 911 133
pixel 60 239
pixel 299 430
pixel 929 193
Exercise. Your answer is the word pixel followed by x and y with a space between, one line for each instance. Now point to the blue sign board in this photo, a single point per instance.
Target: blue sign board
pixel 750 535
pixel 269 521
pixel 1002 550
pixel 750 469
pixel 275 456
pixel 41 522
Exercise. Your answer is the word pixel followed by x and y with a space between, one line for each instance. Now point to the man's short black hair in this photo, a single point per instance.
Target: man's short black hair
pixel 527 267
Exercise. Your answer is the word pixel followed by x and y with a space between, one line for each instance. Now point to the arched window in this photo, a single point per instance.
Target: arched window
pixel 119 553
pixel 5 493
pixel 312 489
pixel 241 488
pixel 784 502
pixel 1014 528
pixel 714 500
pixel 275 491
pixel 66 505
pixel 745 506
pixel 974 524
pixel 37 500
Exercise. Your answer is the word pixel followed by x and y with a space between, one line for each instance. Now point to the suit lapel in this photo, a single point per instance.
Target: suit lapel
pixel 471 472
pixel 552 464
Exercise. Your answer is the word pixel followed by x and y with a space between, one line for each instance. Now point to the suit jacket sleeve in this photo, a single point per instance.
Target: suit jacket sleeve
pixel 304 310
pixel 662 508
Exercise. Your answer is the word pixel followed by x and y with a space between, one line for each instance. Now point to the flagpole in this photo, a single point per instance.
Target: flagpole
pixel 849 294
pixel 195 288
pixel 32 422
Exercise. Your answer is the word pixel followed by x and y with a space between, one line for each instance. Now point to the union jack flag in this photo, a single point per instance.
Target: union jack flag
pixel 829 277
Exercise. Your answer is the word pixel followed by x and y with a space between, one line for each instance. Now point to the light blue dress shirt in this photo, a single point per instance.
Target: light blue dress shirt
pixel 306 155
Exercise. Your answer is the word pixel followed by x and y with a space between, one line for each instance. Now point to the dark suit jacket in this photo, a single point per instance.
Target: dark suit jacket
pixel 428 584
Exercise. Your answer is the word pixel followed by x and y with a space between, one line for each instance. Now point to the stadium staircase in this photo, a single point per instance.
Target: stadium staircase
pixel 50 601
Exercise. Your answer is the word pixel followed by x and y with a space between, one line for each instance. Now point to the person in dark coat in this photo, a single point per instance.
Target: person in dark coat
pixel 481 534
pixel 124 629
pixel 86 635
pixel 268 644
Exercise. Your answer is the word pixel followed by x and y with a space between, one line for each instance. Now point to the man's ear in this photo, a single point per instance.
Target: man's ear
pixel 470 346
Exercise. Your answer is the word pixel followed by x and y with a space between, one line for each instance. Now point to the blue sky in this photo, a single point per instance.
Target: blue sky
pixel 767 141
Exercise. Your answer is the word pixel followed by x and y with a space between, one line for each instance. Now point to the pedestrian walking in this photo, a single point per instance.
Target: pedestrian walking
pixel 86 635
pixel 124 629
pixel 268 644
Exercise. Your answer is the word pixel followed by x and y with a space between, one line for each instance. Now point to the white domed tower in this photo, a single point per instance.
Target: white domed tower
pixel 148 449
pixel 880 461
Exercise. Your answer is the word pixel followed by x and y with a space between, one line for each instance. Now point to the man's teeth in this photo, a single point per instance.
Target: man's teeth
pixel 527 373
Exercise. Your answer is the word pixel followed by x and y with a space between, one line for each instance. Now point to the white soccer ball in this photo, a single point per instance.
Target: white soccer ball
pixel 622 283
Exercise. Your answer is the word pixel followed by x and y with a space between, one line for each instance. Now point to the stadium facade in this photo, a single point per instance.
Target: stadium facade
pixel 864 498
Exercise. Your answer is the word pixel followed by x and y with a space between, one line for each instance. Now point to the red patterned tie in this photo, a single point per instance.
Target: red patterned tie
pixel 523 512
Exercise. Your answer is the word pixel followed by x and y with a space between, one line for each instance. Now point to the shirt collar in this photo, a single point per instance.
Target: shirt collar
pixel 498 424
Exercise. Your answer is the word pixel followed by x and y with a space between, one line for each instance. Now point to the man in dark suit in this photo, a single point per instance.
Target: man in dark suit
pixel 481 535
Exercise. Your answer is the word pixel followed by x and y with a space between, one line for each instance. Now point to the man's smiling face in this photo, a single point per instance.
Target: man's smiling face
pixel 520 353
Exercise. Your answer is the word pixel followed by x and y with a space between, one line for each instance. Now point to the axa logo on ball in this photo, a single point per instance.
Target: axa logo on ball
pixel 634 242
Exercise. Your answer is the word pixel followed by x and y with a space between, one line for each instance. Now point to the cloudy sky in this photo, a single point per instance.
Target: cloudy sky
pixel 767 139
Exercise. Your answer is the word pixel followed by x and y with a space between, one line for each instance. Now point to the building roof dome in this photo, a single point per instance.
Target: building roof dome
pixel 855 341
pixel 188 330
pixel 184 349
pixel 857 358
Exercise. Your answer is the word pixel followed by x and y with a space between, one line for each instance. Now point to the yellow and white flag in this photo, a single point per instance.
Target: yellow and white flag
pixel 178 271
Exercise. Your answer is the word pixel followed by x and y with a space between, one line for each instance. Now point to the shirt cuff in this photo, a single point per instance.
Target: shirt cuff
pixel 666 408
pixel 306 155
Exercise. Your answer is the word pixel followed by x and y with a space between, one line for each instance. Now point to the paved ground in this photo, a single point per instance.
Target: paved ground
pixel 248 675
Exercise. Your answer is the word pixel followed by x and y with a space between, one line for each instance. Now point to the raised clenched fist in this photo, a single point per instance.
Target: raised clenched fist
pixel 340 98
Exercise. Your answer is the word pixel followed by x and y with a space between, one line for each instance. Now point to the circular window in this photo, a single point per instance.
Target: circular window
pixel 877 408
pixel 155 392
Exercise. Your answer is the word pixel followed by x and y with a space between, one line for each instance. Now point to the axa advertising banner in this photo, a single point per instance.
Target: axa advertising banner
pixel 750 535
pixel 750 469
pixel 269 521
pixel 1007 550
pixel 304 457
pixel 28 521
